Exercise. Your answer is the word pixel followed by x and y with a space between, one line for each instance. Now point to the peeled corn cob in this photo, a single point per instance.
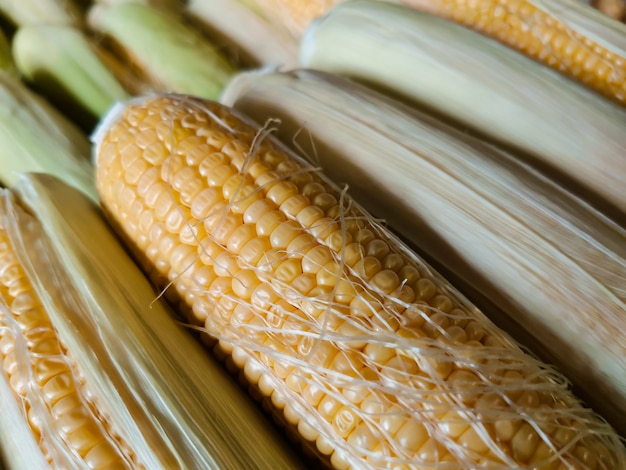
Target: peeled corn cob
pixel 567 35
pixel 37 137
pixel 184 61
pixel 172 406
pixel 549 261
pixel 61 62
pixel 356 342
pixel 481 85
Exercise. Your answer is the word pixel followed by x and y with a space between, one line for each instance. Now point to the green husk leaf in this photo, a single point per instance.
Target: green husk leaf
pixel 60 61
pixel 171 55
pixel 38 138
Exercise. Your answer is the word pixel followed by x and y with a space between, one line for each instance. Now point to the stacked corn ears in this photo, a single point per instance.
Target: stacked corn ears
pixel 345 234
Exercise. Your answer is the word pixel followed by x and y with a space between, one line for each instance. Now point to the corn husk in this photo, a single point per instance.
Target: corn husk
pixel 61 62
pixel 157 387
pixel 169 5
pixel 18 448
pixel 549 261
pixel 245 33
pixel 183 62
pixel 481 85
pixel 38 138
pixel 6 59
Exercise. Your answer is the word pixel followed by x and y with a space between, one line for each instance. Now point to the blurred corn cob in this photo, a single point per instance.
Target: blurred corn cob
pixel 549 261
pixel 374 358
pixel 481 85
pixel 61 63
pixel 166 53
pixel 37 137
pixel 64 273
pixel 297 15
pixel 567 35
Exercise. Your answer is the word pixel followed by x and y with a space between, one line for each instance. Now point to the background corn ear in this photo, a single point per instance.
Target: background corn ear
pixel 61 63
pixel 244 33
pixel 37 137
pixel 567 35
pixel 482 86
pixel 552 264
pixel 183 62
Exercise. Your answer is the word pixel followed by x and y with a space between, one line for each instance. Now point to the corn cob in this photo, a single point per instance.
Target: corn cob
pixel 172 406
pixel 510 233
pixel 567 35
pixel 481 85
pixel 356 342
pixel 61 63
pixel 37 137
pixel 254 40
pixel 184 60
pixel 35 365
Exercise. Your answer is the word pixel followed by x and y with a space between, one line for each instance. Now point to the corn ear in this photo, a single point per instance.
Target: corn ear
pixel 23 12
pixel 248 35
pixel 38 138
pixel 567 35
pixel 60 62
pixel 172 406
pixel 481 85
pixel 351 337
pixel 551 263
pixel 183 62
